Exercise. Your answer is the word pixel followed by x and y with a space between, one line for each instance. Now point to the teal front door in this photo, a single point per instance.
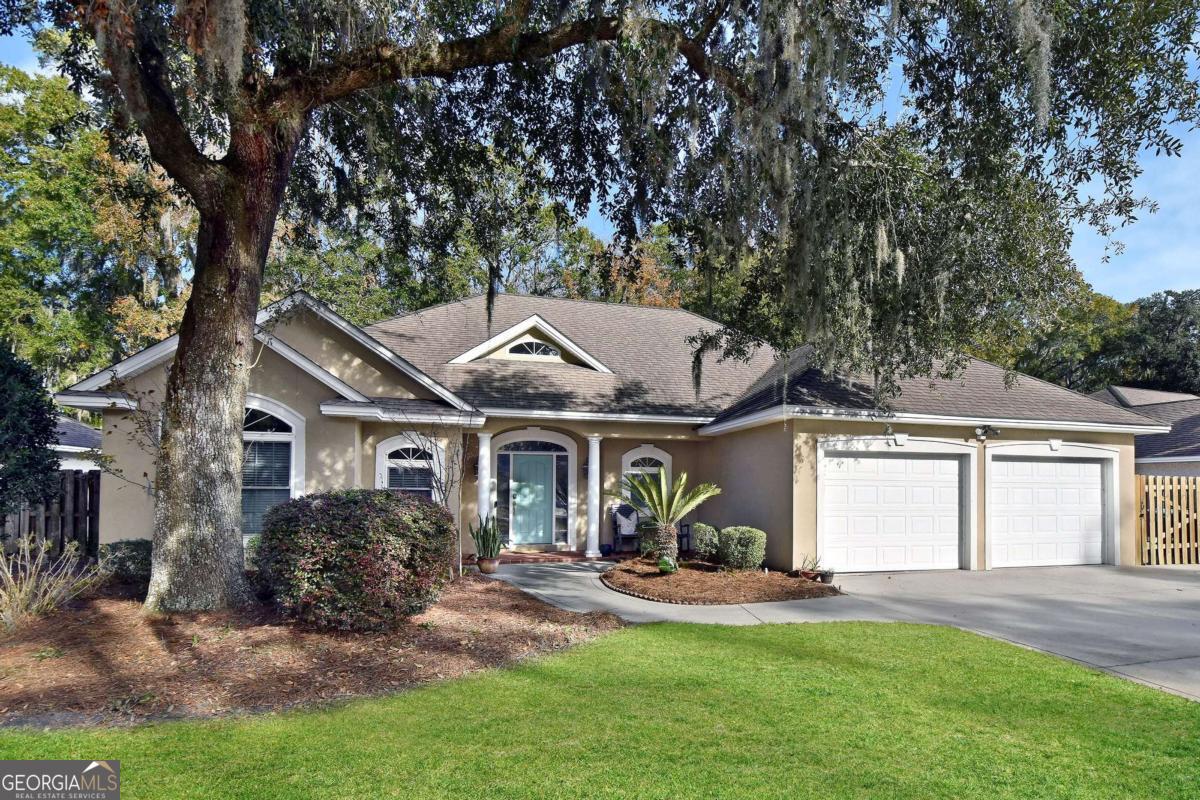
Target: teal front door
pixel 532 486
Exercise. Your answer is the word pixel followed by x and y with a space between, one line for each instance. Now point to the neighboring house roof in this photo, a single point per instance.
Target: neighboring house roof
pixel 1182 442
pixel 76 436
pixel 1132 397
pixel 980 392
pixel 646 350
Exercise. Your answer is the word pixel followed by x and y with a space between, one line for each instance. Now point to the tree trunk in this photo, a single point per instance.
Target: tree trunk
pixel 197 561
pixel 666 542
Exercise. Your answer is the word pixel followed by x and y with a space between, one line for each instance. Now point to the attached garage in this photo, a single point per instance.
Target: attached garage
pixel 884 511
pixel 1045 511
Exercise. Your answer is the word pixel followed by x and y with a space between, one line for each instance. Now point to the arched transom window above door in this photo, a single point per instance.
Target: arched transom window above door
pixel 410 463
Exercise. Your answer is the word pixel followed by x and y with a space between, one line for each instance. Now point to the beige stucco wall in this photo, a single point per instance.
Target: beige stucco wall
pixel 345 358
pixel 755 469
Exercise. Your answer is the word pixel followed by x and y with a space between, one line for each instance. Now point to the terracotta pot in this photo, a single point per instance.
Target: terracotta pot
pixel 487 565
pixel 808 574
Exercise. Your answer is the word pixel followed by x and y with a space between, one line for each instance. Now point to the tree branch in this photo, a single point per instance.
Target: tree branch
pixel 386 62
pixel 136 65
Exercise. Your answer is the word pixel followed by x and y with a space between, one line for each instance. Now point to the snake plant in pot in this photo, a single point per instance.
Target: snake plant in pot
pixel 487 544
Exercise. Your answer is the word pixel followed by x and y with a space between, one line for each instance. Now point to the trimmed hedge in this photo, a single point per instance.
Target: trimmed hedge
pixel 741 547
pixel 704 541
pixel 357 559
pixel 128 561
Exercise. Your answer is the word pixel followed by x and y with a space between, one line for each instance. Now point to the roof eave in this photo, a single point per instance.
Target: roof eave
pixel 781 413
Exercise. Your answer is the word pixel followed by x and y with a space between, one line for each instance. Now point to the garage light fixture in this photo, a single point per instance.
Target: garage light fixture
pixel 984 431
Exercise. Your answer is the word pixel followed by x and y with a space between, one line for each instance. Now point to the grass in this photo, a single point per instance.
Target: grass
pixel 668 711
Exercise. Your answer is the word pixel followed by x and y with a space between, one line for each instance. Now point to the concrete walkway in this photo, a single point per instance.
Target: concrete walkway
pixel 1142 624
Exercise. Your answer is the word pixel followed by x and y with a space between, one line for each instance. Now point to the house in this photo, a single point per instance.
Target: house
pixel 73 441
pixel 535 412
pixel 1176 452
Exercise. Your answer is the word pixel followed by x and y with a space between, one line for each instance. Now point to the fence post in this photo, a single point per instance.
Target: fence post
pixel 93 491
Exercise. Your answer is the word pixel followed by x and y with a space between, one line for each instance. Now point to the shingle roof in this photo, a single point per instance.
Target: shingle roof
pixel 75 434
pixel 1184 439
pixel 980 391
pixel 1132 397
pixel 646 348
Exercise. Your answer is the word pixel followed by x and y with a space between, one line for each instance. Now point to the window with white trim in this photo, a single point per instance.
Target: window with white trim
pixel 535 349
pixel 267 453
pixel 646 460
pixel 410 471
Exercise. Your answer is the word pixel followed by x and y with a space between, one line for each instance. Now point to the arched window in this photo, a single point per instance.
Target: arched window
pixel 646 460
pixel 410 463
pixel 536 349
pixel 410 471
pixel 272 459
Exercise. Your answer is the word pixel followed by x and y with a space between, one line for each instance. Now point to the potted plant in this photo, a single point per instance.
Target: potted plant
pixel 826 575
pixel 487 545
pixel 810 568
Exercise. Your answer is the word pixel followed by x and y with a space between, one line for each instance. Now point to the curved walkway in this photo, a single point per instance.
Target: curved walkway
pixel 1140 623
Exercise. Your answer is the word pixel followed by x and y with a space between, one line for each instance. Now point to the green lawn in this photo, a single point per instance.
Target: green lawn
pixel 833 710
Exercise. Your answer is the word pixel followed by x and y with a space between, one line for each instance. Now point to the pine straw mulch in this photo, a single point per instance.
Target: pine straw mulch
pixel 103 661
pixel 698 583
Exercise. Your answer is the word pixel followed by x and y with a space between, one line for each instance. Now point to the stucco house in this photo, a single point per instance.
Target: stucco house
pixel 535 413
pixel 1175 452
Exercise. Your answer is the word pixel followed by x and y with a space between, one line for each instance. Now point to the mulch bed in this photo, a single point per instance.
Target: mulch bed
pixel 104 662
pixel 697 583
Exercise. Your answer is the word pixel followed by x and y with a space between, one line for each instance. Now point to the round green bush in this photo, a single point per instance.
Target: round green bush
pixel 355 560
pixel 127 561
pixel 741 547
pixel 704 541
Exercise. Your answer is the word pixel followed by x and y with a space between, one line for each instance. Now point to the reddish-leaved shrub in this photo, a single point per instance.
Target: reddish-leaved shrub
pixel 357 559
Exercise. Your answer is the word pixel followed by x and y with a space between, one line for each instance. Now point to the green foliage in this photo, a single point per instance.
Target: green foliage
pixel 357 559
pixel 1162 350
pixel 127 561
pixel 28 465
pixel 667 565
pixel 664 505
pixel 704 541
pixel 741 547
pixel 486 535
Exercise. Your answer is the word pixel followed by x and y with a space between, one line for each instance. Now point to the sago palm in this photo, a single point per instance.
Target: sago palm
pixel 665 504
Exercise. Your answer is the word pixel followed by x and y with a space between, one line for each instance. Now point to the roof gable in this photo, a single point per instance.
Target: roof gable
pixel 532 325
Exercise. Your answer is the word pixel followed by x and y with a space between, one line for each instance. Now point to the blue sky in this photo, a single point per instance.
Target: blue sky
pixel 1162 250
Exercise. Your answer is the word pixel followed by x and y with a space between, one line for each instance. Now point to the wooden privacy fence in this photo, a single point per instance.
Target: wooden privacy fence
pixel 1168 519
pixel 71 516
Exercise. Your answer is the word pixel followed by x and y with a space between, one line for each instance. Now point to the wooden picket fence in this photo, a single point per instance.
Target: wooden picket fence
pixel 1168 519
pixel 73 515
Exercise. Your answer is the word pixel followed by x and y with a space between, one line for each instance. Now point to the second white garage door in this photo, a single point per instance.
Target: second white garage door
pixel 1045 512
pixel 887 512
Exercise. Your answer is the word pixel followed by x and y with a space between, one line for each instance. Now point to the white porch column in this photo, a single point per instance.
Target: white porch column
pixel 483 480
pixel 593 499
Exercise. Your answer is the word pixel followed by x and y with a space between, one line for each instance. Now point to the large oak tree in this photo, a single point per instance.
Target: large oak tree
pixel 766 132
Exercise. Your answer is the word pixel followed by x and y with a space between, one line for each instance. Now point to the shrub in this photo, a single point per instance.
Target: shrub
pixel 33 583
pixel 128 561
pixel 704 541
pixel 355 560
pixel 741 547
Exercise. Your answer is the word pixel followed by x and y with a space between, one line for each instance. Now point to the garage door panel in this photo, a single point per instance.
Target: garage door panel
pixel 1045 512
pixel 890 513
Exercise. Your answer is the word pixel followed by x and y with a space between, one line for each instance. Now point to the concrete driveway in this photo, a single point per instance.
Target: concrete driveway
pixel 1140 623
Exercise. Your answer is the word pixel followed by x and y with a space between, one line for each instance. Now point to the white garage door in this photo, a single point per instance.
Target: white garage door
pixel 885 512
pixel 1045 511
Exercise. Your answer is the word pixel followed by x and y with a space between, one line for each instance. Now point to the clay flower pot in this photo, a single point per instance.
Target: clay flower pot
pixel 487 565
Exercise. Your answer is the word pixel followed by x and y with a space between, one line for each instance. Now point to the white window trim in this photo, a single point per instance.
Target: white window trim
pixel 900 445
pixel 1108 455
pixel 645 451
pixel 554 437
pixel 411 439
pixel 296 437
pixel 507 336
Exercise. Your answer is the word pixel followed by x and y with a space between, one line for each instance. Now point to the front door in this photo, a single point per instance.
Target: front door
pixel 532 487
